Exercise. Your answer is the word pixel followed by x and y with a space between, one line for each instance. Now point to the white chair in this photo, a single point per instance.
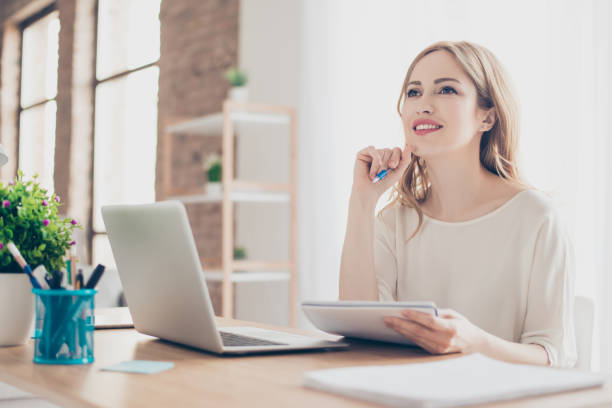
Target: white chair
pixel 584 312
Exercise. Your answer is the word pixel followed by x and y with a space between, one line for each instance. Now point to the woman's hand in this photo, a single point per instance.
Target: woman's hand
pixel 450 332
pixel 370 161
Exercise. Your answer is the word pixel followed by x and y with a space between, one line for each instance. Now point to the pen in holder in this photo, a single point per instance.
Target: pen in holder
pixel 64 326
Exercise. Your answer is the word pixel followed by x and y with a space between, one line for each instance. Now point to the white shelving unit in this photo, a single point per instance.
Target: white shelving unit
pixel 211 124
pixel 235 118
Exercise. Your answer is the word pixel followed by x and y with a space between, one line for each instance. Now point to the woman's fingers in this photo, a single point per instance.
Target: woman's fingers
pixel 441 329
pixel 377 163
pixel 406 328
pixel 448 313
pixel 370 156
pixel 385 156
pixel 432 340
pixel 379 160
pixel 398 169
pixel 384 159
pixel 414 332
pixel 396 156
pixel 424 319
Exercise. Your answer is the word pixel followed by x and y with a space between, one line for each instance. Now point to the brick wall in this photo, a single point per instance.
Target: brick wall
pixel 74 120
pixel 199 40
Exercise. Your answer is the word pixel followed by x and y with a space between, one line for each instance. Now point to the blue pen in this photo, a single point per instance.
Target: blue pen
pixel 24 265
pixel 380 176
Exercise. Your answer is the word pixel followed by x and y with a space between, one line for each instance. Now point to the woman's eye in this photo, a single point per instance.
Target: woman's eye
pixel 447 89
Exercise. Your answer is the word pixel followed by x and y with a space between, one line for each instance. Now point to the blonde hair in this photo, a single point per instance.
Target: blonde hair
pixel 498 146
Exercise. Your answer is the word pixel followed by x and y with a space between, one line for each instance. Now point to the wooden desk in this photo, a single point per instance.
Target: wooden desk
pixel 201 379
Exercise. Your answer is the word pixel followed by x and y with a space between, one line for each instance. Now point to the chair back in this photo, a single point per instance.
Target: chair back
pixel 584 313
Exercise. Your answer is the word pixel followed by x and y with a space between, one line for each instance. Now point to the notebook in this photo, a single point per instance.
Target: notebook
pixel 14 397
pixel 472 379
pixel 113 318
pixel 362 319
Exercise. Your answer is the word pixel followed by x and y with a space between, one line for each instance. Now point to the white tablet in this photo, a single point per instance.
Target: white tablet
pixel 363 320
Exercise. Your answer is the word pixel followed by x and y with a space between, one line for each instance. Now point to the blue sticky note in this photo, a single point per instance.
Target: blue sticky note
pixel 141 366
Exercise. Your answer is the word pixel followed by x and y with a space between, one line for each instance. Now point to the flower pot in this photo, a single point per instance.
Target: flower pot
pixel 239 94
pixel 16 309
pixel 214 188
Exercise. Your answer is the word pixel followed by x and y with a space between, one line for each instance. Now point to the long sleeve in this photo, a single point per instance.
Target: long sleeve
pixel 549 318
pixel 385 263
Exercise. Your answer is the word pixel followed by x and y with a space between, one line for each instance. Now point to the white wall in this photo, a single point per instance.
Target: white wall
pixel 269 38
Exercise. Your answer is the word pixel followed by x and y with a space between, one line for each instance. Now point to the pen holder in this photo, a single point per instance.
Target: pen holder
pixel 64 326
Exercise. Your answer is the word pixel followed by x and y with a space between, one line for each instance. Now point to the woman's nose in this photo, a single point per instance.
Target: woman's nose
pixel 424 105
pixel 425 108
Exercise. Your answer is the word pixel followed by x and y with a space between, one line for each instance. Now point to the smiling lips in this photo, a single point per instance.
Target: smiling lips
pixel 424 126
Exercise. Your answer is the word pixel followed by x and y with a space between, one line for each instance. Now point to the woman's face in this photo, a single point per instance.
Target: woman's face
pixel 440 111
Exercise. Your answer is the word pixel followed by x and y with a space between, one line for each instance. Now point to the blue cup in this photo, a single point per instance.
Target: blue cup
pixel 64 327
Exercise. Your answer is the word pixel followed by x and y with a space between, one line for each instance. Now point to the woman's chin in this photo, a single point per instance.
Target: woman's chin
pixel 425 152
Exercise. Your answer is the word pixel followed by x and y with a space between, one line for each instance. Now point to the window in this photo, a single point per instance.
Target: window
pixel 125 132
pixel 39 64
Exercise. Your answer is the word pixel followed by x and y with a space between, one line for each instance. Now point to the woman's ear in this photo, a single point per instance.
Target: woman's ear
pixel 489 120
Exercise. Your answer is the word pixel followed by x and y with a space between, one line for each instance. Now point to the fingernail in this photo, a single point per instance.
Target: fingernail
pixel 388 321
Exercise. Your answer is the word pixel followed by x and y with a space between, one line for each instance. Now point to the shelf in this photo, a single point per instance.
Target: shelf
pixel 237 120
pixel 248 117
pixel 243 185
pixel 217 276
pixel 236 196
pixel 258 265
pixel 243 191
pixel 213 124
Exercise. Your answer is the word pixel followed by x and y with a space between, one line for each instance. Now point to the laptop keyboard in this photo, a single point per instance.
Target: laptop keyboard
pixel 231 339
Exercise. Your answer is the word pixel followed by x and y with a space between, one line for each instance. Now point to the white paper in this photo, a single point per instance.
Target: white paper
pixel 14 397
pixel 10 392
pixel 454 382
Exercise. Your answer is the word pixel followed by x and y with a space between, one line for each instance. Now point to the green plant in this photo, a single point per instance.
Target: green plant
pixel 29 217
pixel 236 77
pixel 214 172
pixel 239 253
pixel 213 168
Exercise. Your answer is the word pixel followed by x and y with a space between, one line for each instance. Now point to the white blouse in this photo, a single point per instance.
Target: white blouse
pixel 510 272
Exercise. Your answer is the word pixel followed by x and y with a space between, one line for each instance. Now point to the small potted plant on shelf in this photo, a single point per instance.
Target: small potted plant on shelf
pixel 239 253
pixel 212 165
pixel 238 80
pixel 29 218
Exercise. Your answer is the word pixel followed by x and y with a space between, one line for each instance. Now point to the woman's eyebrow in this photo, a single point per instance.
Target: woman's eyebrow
pixel 437 81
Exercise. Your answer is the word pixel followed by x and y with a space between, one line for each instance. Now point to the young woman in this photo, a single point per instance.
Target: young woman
pixel 463 229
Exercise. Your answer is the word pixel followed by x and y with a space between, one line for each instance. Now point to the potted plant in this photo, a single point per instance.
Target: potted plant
pixel 238 80
pixel 239 253
pixel 29 218
pixel 213 166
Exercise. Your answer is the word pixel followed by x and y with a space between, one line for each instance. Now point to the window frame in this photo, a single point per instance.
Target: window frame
pixel 51 8
pixel 92 233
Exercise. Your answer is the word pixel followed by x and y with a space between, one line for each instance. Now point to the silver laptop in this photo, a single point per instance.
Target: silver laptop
pixel 165 288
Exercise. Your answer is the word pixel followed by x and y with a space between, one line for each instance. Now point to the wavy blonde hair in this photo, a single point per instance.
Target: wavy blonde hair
pixel 498 146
